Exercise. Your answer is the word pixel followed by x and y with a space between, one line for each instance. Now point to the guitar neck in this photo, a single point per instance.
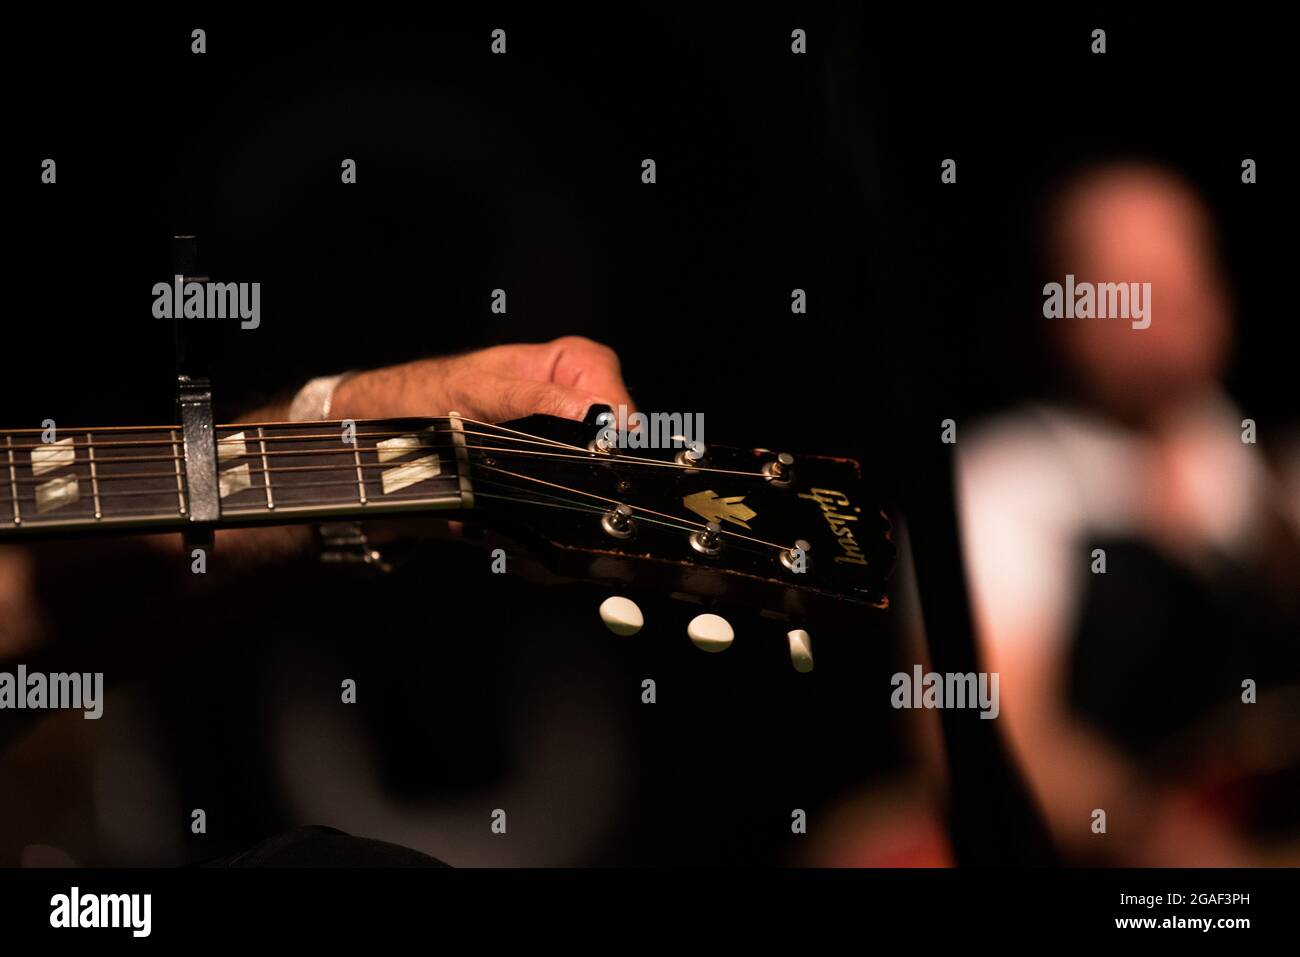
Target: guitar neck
pixel 79 480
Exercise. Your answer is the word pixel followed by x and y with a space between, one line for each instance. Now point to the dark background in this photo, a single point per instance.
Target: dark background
pixel 477 171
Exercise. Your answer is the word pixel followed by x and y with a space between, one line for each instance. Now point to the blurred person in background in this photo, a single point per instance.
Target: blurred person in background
pixel 1122 691
pixel 1123 688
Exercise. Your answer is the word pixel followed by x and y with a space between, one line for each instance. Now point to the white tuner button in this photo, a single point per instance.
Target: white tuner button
pixel 710 633
pixel 621 615
pixel 800 651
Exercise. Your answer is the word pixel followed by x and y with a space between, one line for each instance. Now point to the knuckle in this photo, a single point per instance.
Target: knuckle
pixel 583 344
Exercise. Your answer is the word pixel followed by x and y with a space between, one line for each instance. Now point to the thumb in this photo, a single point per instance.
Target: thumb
pixel 506 399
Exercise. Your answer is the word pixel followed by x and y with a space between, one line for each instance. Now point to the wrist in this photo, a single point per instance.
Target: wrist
pixel 318 399
pixel 411 389
pixel 350 399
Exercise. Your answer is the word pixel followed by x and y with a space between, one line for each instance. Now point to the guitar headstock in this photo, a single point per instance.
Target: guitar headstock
pixel 793 537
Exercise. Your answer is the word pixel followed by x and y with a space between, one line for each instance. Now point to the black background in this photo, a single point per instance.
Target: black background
pixel 476 171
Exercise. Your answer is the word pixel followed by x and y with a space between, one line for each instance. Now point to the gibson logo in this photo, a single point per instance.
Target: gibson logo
pixel 711 508
pixel 830 500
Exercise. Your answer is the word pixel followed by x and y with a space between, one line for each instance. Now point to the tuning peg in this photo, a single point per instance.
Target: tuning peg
pixel 621 615
pixel 796 559
pixel 708 541
pixel 780 471
pixel 710 633
pixel 800 650
pixel 618 522
pixel 693 454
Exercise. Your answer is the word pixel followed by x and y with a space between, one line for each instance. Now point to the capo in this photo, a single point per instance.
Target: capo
pixel 194 409
pixel 194 406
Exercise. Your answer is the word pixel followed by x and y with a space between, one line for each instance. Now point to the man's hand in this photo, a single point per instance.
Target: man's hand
pixel 564 377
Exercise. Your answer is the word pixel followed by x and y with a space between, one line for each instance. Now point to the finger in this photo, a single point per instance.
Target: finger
pixel 501 398
pixel 572 361
pixel 591 367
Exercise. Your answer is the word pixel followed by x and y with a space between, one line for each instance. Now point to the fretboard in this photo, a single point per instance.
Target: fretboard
pixel 80 479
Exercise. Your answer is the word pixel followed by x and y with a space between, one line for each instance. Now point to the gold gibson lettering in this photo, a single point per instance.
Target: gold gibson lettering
pixel 829 500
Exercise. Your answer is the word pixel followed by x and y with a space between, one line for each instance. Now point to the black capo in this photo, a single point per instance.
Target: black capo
pixel 194 409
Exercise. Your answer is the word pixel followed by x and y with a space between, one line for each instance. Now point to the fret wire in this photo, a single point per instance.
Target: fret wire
pixel 180 488
pixel 266 468
pixel 94 478
pixel 361 476
pixel 13 480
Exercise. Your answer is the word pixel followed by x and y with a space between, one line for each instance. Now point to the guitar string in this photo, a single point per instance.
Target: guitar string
pixel 349 484
pixel 675 523
pixel 556 501
pixel 588 510
pixel 585 456
pixel 614 501
pixel 352 484
pixel 171 493
pixel 353 466
pixel 242 425
pixel 580 506
pixel 236 428
pixel 239 428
